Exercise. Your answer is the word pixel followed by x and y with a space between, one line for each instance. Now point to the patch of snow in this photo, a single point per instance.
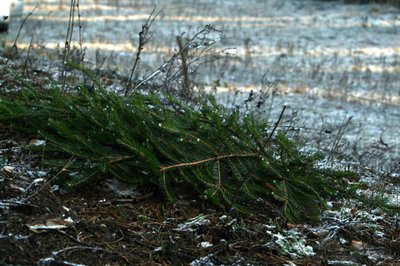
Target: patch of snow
pixel 158 249
pixel 203 261
pixel 41 173
pixel 193 224
pixel 37 142
pixel 342 263
pixel 205 244
pixel 52 261
pixel 121 189
pixel 292 243
pixel 9 168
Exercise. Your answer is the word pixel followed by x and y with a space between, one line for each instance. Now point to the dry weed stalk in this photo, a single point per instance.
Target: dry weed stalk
pixel 185 68
pixel 82 55
pixel 68 40
pixel 14 48
pixel 144 38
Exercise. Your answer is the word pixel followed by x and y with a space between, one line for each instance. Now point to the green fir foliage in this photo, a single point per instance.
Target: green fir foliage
pixel 149 139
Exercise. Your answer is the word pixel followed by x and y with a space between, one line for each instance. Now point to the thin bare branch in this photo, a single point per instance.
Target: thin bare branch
pixel 68 39
pixel 227 156
pixel 275 126
pixel 14 47
pixel 144 38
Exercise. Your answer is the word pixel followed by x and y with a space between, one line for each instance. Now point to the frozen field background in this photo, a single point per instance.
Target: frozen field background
pixel 326 61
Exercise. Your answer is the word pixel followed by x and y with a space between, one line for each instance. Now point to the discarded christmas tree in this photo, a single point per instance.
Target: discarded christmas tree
pixel 224 156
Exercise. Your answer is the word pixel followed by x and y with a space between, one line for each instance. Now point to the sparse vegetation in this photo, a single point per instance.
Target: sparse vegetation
pixel 160 167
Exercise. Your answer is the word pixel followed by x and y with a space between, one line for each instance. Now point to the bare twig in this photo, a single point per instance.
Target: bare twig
pixel 185 69
pixel 82 55
pixel 144 38
pixel 227 156
pixel 68 40
pixel 14 47
pixel 340 134
pixel 99 62
pixel 27 57
pixel 58 252
pixel 119 159
pixel 275 126
pixel 219 179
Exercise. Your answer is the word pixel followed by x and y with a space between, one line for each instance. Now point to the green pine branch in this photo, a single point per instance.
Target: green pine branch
pixel 158 140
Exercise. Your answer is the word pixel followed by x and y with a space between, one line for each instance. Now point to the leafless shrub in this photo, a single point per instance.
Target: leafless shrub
pixel 192 53
pixel 144 38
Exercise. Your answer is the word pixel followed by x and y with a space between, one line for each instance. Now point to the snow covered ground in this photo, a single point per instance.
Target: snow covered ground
pixel 327 61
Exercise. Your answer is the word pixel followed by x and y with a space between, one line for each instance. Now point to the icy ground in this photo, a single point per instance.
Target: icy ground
pixel 327 61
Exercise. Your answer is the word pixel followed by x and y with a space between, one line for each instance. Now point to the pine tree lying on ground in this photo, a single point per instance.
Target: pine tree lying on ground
pixel 146 139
